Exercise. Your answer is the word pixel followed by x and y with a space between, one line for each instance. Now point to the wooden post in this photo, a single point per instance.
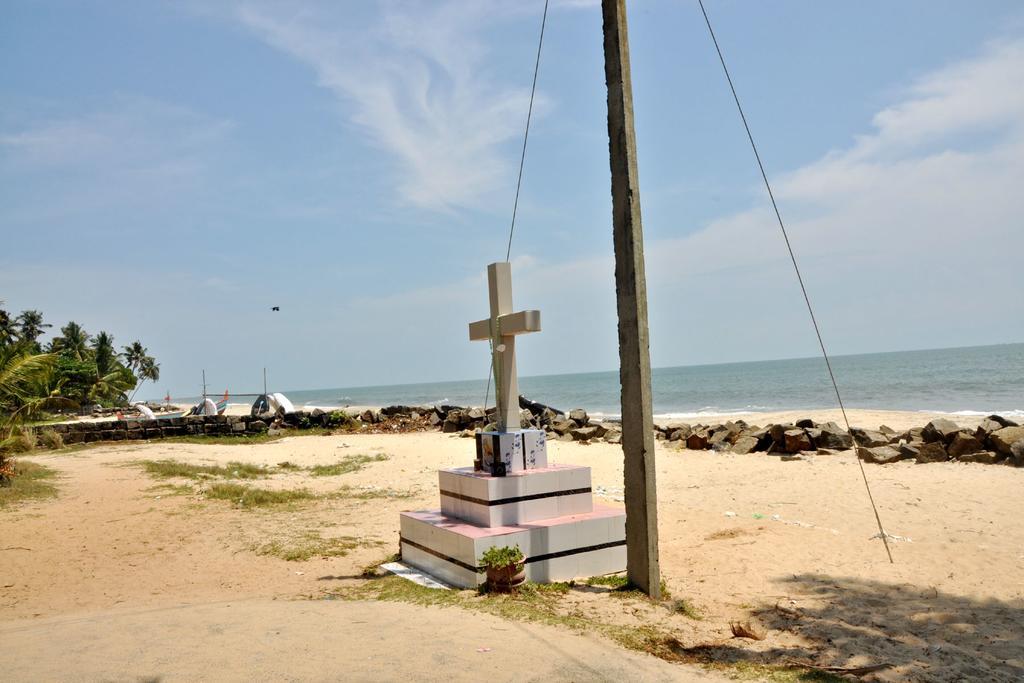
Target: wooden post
pixel 642 565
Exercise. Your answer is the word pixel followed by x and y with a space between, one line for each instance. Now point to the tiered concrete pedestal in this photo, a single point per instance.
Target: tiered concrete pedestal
pixel 548 512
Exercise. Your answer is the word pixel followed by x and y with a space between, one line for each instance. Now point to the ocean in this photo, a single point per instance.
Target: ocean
pixel 976 380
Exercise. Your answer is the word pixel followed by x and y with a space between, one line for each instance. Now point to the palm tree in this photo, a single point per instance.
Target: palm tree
pixel 103 353
pixel 8 332
pixel 23 387
pixel 113 385
pixel 73 341
pixel 133 355
pixel 148 369
pixel 31 326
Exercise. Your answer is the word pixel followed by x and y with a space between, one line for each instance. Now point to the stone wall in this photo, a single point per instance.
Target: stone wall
pixel 995 440
pixel 136 430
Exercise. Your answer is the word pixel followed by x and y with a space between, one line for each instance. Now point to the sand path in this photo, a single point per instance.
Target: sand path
pixel 266 640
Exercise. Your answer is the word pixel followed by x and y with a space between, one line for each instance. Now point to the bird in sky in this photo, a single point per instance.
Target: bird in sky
pixel 275 308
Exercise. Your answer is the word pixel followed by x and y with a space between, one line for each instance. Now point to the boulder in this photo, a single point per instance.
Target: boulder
pixel 869 438
pixel 832 436
pixel 984 457
pixel 1003 439
pixel 887 430
pixel 986 427
pixel 563 426
pixel 719 438
pixel 911 449
pixel 796 440
pixel 939 430
pixel 778 436
pixel 613 437
pixel 805 423
pixel 579 415
pixel 932 451
pixel 963 444
pixel 679 435
pixel 880 455
pixel 744 444
pixel 474 414
pixel 586 433
pixel 697 441
pixel 1017 452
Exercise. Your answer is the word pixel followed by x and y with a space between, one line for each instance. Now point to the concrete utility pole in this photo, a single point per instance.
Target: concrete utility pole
pixel 642 565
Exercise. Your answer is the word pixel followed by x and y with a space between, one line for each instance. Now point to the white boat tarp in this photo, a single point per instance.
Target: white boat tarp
pixel 279 400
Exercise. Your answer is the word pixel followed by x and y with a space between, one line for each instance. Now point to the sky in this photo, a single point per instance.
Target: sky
pixel 169 171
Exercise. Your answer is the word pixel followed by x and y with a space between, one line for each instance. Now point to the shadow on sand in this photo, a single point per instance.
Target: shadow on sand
pixel 922 635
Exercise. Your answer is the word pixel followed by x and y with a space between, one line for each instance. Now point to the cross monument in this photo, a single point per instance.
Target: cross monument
pixel 501 328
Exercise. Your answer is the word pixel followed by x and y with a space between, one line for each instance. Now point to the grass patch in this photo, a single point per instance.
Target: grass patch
pixel 167 469
pixel 171 489
pixel 311 545
pixel 245 439
pixel 350 463
pixel 250 497
pixel 50 440
pixel 613 581
pixel 30 482
pixel 687 609
pixel 620 586
pixel 350 493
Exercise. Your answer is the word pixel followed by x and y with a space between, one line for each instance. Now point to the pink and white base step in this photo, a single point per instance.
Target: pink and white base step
pixel 549 513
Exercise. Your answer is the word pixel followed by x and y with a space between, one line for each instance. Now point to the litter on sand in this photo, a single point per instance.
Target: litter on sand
pixel 414 575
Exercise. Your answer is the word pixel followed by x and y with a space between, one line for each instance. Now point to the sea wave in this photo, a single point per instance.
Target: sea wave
pixel 983 413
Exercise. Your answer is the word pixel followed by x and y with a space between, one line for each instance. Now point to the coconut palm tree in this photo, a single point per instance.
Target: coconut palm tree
pixel 103 353
pixel 148 369
pixel 23 387
pixel 133 355
pixel 73 341
pixel 8 331
pixel 31 326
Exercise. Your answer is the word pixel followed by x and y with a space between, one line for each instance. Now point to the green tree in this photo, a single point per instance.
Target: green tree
pixel 73 341
pixel 133 355
pixel 75 378
pixel 24 377
pixel 8 331
pixel 113 386
pixel 31 327
pixel 103 353
pixel 149 369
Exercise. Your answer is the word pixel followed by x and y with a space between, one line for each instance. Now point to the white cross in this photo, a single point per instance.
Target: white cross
pixel 501 329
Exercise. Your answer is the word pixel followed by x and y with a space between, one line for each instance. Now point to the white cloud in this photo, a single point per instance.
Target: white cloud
pixel 416 81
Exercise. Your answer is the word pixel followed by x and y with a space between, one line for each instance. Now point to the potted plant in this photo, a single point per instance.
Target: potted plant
pixel 505 568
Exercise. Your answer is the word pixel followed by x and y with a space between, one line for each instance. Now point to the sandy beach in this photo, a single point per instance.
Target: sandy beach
pixel 148 567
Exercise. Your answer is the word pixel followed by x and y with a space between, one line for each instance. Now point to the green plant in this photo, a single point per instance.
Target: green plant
pixel 499 557
pixel 184 470
pixel 350 463
pixel 339 418
pixel 27 481
pixel 249 497
pixel 50 439
pixel 22 441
